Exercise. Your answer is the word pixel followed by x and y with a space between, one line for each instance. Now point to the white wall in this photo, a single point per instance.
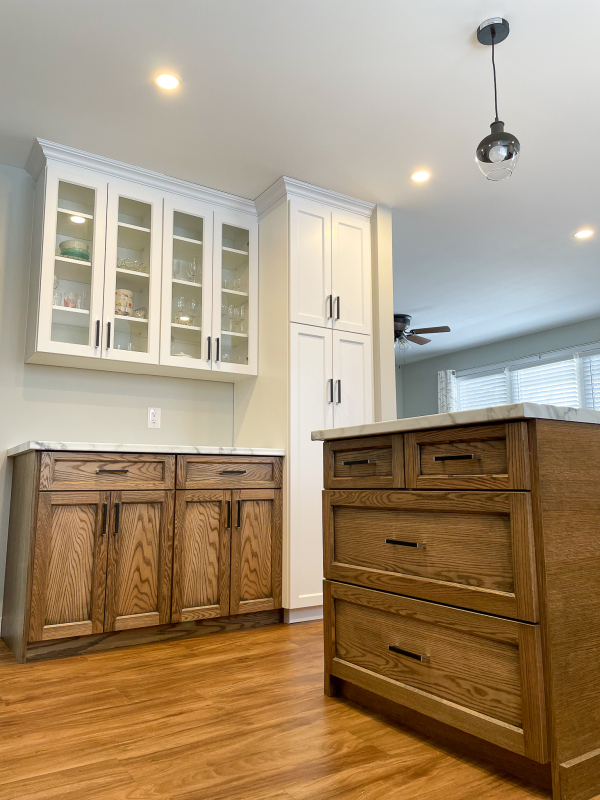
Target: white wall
pixel 416 383
pixel 55 403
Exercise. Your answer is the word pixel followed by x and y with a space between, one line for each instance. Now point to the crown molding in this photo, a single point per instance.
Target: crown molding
pixel 43 150
pixel 291 186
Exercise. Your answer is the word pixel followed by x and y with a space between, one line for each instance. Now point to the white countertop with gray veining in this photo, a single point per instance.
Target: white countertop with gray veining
pixel 159 449
pixel 476 416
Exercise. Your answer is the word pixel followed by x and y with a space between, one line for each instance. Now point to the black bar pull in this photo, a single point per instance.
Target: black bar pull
pixel 97 333
pixel 420 545
pixel 217 353
pixel 239 514
pixel 466 457
pixel 330 386
pixel 209 348
pixel 233 472
pixel 108 335
pixel 102 471
pixel 337 313
pixel 329 302
pixel 117 517
pixel 229 514
pixel 401 652
pixel 358 461
pixel 339 391
pixel 104 518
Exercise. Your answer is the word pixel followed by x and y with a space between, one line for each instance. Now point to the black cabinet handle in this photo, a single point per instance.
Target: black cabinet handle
pixel 104 518
pixel 111 471
pixel 330 386
pixel 420 545
pixel 239 513
pixel 108 335
pixel 337 304
pixel 468 457
pixel 358 461
pixel 329 303
pixel 117 517
pixel 97 333
pixel 339 391
pixel 209 348
pixel 228 514
pixel 217 353
pixel 400 651
pixel 233 472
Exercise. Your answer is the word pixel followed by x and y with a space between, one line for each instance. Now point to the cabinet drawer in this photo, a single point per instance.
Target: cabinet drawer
pixel 373 462
pixel 60 471
pixel 469 549
pixel 479 673
pixel 222 472
pixel 486 457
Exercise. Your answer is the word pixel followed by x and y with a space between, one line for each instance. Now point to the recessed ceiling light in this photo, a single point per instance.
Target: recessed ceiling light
pixel 420 176
pixel 584 233
pixel 167 81
pixel 76 218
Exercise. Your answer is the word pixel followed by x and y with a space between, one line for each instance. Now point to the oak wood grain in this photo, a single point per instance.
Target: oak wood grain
pixel 201 559
pixel 220 472
pixel 385 467
pixel 62 471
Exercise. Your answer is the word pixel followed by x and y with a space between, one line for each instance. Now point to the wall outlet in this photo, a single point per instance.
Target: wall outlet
pixel 154 417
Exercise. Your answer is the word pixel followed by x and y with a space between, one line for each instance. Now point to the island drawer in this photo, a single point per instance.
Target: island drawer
pixel 483 457
pixel 375 462
pixel 229 472
pixel 469 549
pixel 478 673
pixel 64 471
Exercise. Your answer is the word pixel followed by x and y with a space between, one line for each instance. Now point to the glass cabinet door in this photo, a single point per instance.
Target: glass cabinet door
pixel 235 306
pixel 133 273
pixel 187 284
pixel 72 267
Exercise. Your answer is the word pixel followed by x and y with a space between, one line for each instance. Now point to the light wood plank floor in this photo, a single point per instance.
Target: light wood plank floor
pixel 230 716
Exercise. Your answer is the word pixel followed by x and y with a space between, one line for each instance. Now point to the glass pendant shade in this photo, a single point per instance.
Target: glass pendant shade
pixel 498 153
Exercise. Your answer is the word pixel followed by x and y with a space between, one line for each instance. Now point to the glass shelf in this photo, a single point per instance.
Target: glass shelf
pixel 185 327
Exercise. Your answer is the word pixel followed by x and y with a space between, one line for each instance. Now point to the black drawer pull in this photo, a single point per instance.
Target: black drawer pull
pixel 358 461
pixel 466 457
pixel 117 517
pixel 421 545
pixel 233 472
pixel 111 471
pixel 228 514
pixel 104 518
pixel 401 652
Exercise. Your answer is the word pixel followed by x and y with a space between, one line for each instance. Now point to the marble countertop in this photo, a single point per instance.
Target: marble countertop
pixel 476 416
pixel 158 449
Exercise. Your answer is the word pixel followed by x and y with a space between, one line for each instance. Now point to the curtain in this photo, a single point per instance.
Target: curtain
pixel 447 399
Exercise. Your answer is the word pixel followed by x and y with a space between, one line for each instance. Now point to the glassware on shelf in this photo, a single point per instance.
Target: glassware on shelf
pixel 55 282
pixel 57 299
pixel 193 309
pixel 81 299
pixel 176 267
pixel 193 270
pixel 141 312
pixel 70 299
pixel 230 314
pixel 238 285
pixel 243 318
pixel 182 316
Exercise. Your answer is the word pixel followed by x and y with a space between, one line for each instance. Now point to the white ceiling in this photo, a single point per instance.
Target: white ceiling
pixel 351 95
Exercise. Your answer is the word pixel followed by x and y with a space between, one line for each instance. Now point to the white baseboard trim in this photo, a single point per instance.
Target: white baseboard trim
pixel 292 615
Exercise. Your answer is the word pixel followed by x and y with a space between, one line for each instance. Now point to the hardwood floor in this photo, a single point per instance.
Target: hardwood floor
pixel 236 716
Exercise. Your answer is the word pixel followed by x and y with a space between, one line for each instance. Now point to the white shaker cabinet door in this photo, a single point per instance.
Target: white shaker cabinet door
pixel 351 272
pixel 310 409
pixel 310 262
pixel 352 379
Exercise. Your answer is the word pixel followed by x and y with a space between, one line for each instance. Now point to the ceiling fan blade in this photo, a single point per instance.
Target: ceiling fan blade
pixel 441 329
pixel 417 339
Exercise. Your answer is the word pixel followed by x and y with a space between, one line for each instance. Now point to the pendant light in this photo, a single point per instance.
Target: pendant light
pixel 498 153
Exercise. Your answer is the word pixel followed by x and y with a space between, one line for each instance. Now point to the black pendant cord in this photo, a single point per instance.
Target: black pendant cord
pixel 494 68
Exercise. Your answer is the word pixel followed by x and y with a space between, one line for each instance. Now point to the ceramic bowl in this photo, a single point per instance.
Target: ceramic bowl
pixel 74 244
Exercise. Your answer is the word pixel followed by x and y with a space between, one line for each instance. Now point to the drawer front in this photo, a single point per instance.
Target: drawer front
pixel 486 457
pixel 61 471
pixel 222 472
pixel 469 549
pixel 482 674
pixel 371 462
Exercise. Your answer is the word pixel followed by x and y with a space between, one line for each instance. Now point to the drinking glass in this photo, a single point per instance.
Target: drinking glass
pixel 193 308
pixel 55 282
pixel 81 298
pixel 176 267
pixel 70 299
pixel 243 317
pixel 236 318
pixel 238 284
pixel 57 299
pixel 230 314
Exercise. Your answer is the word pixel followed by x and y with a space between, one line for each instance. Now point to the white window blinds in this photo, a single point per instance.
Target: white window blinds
pixel 590 368
pixel 554 383
pixel 479 391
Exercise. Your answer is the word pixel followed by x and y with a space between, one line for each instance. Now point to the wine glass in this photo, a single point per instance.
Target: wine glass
pixel 230 314
pixel 193 268
pixel 193 309
pixel 243 317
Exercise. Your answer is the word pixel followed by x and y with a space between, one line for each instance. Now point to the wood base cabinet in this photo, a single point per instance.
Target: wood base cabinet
pixel 100 557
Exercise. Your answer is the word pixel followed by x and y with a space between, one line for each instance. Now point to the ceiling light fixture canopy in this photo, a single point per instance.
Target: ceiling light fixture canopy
pixel 498 153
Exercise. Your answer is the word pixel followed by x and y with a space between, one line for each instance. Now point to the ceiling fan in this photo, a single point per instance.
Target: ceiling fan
pixel 403 333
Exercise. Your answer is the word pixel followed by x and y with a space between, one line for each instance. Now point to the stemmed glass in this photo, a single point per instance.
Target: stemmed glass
pixel 193 308
pixel 193 269
pixel 242 319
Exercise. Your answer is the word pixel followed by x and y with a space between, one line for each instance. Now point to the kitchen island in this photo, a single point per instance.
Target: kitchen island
pixel 462 582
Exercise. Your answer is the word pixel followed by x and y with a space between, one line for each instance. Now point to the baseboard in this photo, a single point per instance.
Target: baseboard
pixel 292 615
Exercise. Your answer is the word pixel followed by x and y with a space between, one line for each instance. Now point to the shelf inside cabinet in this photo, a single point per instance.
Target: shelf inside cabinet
pixel 133 272
pixel 131 319
pixel 71 269
pixel 187 239
pixel 75 214
pixel 233 250
pixel 234 291
pixel 78 317
pixel 185 327
pixel 187 283
pixel 234 333
pixel 133 227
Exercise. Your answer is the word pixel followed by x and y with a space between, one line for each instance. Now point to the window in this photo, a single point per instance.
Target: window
pixel 562 379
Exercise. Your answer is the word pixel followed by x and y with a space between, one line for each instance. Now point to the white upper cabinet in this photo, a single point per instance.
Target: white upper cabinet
pixel 330 267
pixel 352 379
pixel 187 283
pixel 351 272
pixel 132 276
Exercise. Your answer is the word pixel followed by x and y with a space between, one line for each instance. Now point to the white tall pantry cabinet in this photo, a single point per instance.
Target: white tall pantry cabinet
pixel 321 241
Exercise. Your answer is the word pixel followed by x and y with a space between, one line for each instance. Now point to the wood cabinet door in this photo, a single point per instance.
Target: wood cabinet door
pixel 351 272
pixel 256 550
pixel 201 565
pixel 69 573
pixel 138 583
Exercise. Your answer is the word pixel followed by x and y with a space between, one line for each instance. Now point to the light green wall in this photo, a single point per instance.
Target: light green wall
pixel 416 384
pixel 79 405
